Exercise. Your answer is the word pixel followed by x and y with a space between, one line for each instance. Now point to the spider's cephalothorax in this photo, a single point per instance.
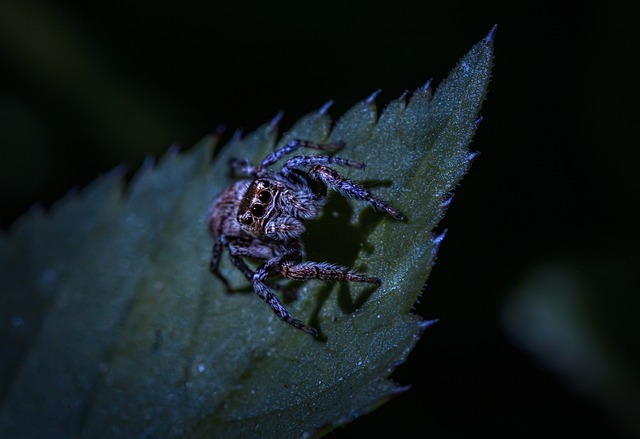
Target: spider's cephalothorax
pixel 263 219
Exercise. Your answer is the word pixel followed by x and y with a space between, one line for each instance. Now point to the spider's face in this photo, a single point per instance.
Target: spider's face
pixel 263 211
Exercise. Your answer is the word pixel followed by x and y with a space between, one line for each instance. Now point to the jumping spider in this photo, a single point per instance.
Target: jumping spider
pixel 263 218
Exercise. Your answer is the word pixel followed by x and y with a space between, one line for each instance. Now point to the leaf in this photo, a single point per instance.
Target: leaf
pixel 112 324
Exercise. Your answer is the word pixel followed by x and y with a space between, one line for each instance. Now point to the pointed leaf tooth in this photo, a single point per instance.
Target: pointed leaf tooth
pixel 273 124
pixel 401 389
pixel 437 241
pixel 472 156
pixel 36 208
pixel 219 129
pixel 172 151
pixel 371 100
pixel 237 136
pixel 148 163
pixel 323 110
pixel 446 203
pixel 118 171
pixel 424 324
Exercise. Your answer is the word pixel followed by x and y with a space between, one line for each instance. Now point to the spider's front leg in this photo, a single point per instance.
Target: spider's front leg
pixel 320 171
pixel 246 168
pixel 351 189
pixel 295 145
pixel 242 165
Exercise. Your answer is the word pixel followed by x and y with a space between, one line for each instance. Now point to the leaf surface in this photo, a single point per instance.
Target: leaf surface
pixel 112 324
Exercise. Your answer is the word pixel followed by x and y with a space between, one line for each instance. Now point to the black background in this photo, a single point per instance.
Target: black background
pixel 86 86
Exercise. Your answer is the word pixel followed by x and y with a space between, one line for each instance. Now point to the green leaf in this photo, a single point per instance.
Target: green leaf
pixel 112 324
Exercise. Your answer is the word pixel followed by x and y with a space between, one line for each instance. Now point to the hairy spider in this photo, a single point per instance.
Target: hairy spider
pixel 263 218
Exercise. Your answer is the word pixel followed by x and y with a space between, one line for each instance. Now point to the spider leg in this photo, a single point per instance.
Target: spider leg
pixel 351 189
pixel 324 271
pixel 239 263
pixel 268 269
pixel 265 294
pixel 296 144
pixel 215 261
pixel 302 161
pixel 242 165
pixel 240 249
pixel 215 255
pixel 251 249
pixel 302 271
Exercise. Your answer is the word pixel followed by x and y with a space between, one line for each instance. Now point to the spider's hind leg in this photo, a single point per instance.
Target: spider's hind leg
pixel 215 262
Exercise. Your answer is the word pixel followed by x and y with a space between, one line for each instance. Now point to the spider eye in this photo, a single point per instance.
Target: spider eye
pixel 246 219
pixel 257 210
pixel 264 196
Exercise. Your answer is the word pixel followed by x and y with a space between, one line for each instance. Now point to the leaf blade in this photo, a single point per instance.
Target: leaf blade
pixel 165 352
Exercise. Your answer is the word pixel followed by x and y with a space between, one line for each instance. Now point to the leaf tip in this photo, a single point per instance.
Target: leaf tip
pixel 491 36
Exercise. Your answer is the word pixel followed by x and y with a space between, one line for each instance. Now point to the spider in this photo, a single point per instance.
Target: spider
pixel 262 217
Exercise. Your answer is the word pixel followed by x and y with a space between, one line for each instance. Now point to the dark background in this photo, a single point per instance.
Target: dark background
pixel 85 86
